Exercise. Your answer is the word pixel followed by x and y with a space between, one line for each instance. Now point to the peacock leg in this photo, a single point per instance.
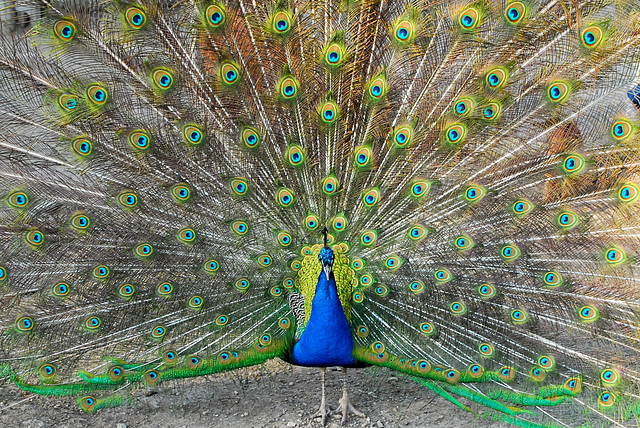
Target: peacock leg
pixel 324 409
pixel 345 406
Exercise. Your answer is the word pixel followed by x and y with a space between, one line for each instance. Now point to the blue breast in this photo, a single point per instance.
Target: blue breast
pixel 327 340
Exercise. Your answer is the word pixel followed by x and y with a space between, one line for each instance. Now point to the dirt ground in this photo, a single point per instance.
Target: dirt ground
pixel 273 395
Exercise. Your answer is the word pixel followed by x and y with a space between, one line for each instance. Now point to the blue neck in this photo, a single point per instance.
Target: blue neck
pixel 327 340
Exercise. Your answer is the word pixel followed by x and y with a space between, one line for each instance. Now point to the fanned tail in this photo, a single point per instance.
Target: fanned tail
pixel 168 169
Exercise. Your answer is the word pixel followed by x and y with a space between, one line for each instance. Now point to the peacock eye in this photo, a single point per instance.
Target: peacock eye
pixel 97 94
pixel 442 275
pixel 164 289
pixel 329 112
pixel 295 155
pixel 417 233
pixel 229 73
pixel 68 102
pixel 496 78
pixel 250 137
pixel 417 287
pixel 281 22
pixel 163 79
pixel 215 15
pixel 140 140
pixel 285 197
pixel 377 88
pixel 552 279
pixel 546 362
pixel 463 106
pixel 239 186
pixel 469 19
pixel 486 349
pixel 362 156
pixel 592 36
pixel 486 291
pixel 88 403
pixel 64 30
pixel 330 185
pixel 628 193
pixel 288 88
pixel 615 255
pixel 491 111
pixel 476 371
pixel 558 91
pixel 101 272
pixel 339 223
pixel 81 147
pixel 519 316
pixel 515 12
pixel 510 252
pixel 455 133
pixel 126 291
pixel 143 250
pixel 334 55
pixel 186 235
pixel 242 284
pixel 135 17
pixel 458 308
pixel 371 197
pixel 24 324
pixel 463 243
pixel 403 136
pixel 404 31
pixel 393 262
pixel 427 328
pixel 522 207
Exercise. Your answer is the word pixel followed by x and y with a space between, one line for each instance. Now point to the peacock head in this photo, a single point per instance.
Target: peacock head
pixel 326 255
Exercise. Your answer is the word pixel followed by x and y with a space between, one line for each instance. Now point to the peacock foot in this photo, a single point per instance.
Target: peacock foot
pixel 345 407
pixel 324 409
pixel 322 412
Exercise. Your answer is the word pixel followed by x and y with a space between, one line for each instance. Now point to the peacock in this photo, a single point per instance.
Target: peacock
pixel 448 189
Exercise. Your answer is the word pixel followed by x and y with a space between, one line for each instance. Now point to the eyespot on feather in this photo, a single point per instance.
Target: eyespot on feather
pixel 469 19
pixel 186 235
pixel 455 134
pixel 288 88
pixel 97 94
pixel 496 78
pixel 192 135
pixel 334 55
pixel 285 197
pixel 558 91
pixel 328 112
pixel 196 303
pixel 371 197
pixel 515 12
pixel 592 36
pixel 68 102
pixel 281 22
pixel 522 207
pixel 162 78
pixel 404 31
pixel 140 140
pixel 64 30
pixel 295 155
pixel 622 129
pixel 135 17
pixel 229 73
pixel 215 15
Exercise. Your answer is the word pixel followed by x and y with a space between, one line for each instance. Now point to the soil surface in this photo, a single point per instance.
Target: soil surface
pixel 273 395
